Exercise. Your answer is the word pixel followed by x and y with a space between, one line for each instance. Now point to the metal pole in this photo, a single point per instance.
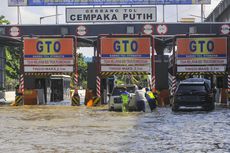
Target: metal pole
pixel 177 17
pixel 163 13
pixel 202 12
pixel 18 14
pixel 56 14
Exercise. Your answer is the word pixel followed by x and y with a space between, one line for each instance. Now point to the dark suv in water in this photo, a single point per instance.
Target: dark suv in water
pixel 194 92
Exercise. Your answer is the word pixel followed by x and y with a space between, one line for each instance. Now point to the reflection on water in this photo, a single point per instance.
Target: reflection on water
pixel 80 129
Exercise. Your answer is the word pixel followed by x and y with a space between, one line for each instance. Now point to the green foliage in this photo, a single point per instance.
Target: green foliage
pixel 12 62
pixel 119 82
pixel 3 20
pixel 141 80
pixel 84 84
pixel 12 66
pixel 82 70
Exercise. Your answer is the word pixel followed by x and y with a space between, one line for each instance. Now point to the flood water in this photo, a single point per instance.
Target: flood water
pixel 58 129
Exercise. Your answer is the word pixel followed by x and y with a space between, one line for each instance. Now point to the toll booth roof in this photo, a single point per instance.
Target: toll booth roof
pixel 8 41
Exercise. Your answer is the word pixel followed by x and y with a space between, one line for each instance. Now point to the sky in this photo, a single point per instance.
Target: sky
pixel 31 15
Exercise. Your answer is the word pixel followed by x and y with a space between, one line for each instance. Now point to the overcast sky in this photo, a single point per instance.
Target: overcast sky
pixel 31 15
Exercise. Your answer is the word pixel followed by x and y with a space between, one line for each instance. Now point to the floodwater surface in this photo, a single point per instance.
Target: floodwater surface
pixel 58 129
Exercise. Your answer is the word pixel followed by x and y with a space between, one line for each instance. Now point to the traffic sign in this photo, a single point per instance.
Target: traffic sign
pixel 81 30
pixel 14 31
pixel 147 29
pixel 162 29
pixel 225 29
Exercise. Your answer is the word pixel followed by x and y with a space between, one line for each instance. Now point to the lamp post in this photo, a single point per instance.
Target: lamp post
pixel 43 17
pixel 202 12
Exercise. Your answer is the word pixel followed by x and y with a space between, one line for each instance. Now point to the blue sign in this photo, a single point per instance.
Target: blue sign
pixel 113 2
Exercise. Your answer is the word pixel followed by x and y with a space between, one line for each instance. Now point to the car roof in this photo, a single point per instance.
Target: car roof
pixel 192 82
pixel 127 85
pixel 196 81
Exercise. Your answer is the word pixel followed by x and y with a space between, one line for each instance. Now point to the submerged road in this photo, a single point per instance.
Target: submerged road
pixel 58 129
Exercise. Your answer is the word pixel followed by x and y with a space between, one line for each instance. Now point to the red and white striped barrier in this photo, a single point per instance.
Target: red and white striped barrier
pixel 98 86
pixel 153 82
pixel 76 79
pixel 173 89
pixel 229 83
pixel 21 83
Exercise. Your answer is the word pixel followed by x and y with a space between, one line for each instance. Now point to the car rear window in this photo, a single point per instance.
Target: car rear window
pixel 117 91
pixel 131 89
pixel 189 87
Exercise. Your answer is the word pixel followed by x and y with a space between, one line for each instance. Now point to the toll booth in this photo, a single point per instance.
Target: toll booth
pixel 59 88
pixel 201 56
pixel 35 90
pixel 48 70
pixel 123 55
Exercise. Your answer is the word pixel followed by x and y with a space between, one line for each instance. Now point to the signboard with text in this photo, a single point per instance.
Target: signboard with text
pixel 201 68
pixel 125 54
pixel 17 3
pixel 111 14
pixel 48 69
pixel 48 54
pixel 104 2
pixel 201 51
pixel 145 68
pixel 121 47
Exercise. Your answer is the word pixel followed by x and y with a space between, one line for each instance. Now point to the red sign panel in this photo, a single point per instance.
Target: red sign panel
pixel 125 47
pixel 199 51
pixel 48 51
pixel 123 54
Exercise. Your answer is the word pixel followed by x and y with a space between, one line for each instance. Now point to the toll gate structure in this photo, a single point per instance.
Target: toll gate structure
pixel 125 55
pixel 201 56
pixel 43 57
pixel 163 34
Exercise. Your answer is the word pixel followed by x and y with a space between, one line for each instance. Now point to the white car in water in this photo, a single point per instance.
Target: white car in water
pixel 115 102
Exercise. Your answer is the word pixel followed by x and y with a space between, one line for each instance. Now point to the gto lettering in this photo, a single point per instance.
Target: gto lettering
pixel 126 44
pixel 48 46
pixel 201 46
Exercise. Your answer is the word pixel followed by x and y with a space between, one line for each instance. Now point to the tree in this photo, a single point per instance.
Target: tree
pixel 3 20
pixel 12 67
pixel 11 64
pixel 82 70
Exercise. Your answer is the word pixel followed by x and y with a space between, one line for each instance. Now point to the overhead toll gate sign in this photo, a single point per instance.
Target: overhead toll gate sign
pixel 111 14
pixel 48 54
pixel 201 51
pixel 17 2
pixel 105 2
pixel 125 54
